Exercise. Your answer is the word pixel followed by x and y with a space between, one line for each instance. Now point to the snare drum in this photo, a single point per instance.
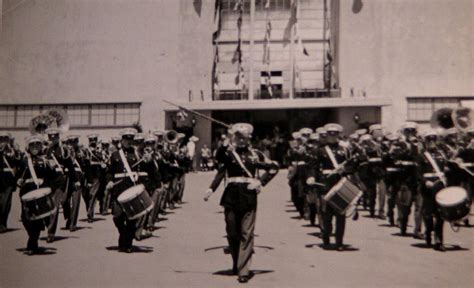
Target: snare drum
pixel 453 203
pixel 38 204
pixel 343 195
pixel 135 202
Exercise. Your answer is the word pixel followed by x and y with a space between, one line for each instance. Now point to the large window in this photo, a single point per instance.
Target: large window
pixel 7 116
pixel 80 115
pixel 421 109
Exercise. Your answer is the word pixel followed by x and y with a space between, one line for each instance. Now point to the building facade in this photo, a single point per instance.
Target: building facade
pixel 276 63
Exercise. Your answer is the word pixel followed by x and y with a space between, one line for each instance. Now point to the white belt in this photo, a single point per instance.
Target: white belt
pixel 376 159
pixel 96 163
pixel 327 171
pixel 30 180
pixel 75 169
pixel 393 169
pixel 134 174
pixel 467 165
pixel 406 163
pixel 60 170
pixel 240 180
pixel 432 175
pixel 299 163
pixel 7 170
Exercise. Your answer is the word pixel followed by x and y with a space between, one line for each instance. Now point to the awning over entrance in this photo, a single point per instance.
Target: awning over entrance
pixel 282 104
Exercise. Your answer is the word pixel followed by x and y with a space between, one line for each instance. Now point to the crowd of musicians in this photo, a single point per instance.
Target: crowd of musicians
pixel 98 173
pixel 394 171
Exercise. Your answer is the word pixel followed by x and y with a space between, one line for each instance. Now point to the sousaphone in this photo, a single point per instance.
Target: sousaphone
pixel 49 119
pixel 462 118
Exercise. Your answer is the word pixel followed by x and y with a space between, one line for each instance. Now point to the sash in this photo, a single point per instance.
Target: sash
pixel 57 163
pixel 241 164
pixel 32 170
pixel 435 167
pixel 331 157
pixel 8 166
pixel 126 165
pixel 77 164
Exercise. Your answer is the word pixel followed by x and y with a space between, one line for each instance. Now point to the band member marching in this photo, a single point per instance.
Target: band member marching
pixel 432 172
pixel 9 160
pixel 34 173
pixel 60 158
pixel 78 157
pixel 240 163
pixel 332 163
pixel 122 174
pixel 95 169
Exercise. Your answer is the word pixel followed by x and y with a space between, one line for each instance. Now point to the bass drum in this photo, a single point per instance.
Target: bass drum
pixel 38 204
pixel 135 202
pixel 453 203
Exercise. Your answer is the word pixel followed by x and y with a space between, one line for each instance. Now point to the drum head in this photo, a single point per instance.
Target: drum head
pixel 36 194
pixel 451 196
pixel 131 193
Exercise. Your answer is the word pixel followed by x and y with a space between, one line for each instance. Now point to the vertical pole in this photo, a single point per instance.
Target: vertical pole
pixel 325 42
pixel 292 58
pixel 251 44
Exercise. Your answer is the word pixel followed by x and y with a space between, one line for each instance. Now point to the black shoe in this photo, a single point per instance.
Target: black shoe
pixel 89 220
pixel 243 279
pixel 72 229
pixel 428 241
pixel 31 252
pixel 418 236
pixel 440 247
pixel 235 271
pixel 3 229
pixel 340 248
pixel 466 222
pixel 382 217
pixel 125 250
pixel 391 221
pixel 50 239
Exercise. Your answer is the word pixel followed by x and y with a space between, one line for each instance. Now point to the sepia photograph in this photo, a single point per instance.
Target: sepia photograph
pixel 234 143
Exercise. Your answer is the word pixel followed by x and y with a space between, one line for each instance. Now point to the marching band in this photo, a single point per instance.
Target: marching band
pixel 138 177
pixel 330 175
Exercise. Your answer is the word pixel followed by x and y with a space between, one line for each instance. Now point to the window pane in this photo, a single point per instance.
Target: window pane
pixel 7 116
pixel 78 115
pixel 128 114
pixel 102 115
pixel 25 114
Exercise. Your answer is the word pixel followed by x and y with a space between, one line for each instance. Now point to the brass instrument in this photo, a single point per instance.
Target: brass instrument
pixel 171 136
pixel 49 119
pixel 462 118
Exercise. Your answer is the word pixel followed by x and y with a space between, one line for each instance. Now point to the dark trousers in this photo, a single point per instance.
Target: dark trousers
pixel 328 214
pixel 5 204
pixel 240 226
pixel 391 201
pixel 75 200
pixel 126 228
pixel 432 220
pixel 33 228
pixel 93 196
pixel 156 208
pixel 59 197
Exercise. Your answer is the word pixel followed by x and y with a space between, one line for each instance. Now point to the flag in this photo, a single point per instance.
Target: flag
pixel 291 22
pixel 197 6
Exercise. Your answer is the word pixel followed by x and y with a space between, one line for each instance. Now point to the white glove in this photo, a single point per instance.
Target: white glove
pixel 255 185
pixel 208 194
pixel 310 181
pixel 109 186
pixel 20 182
pixel 429 184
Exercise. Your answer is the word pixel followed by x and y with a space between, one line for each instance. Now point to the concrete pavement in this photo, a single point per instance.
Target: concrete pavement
pixel 187 251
